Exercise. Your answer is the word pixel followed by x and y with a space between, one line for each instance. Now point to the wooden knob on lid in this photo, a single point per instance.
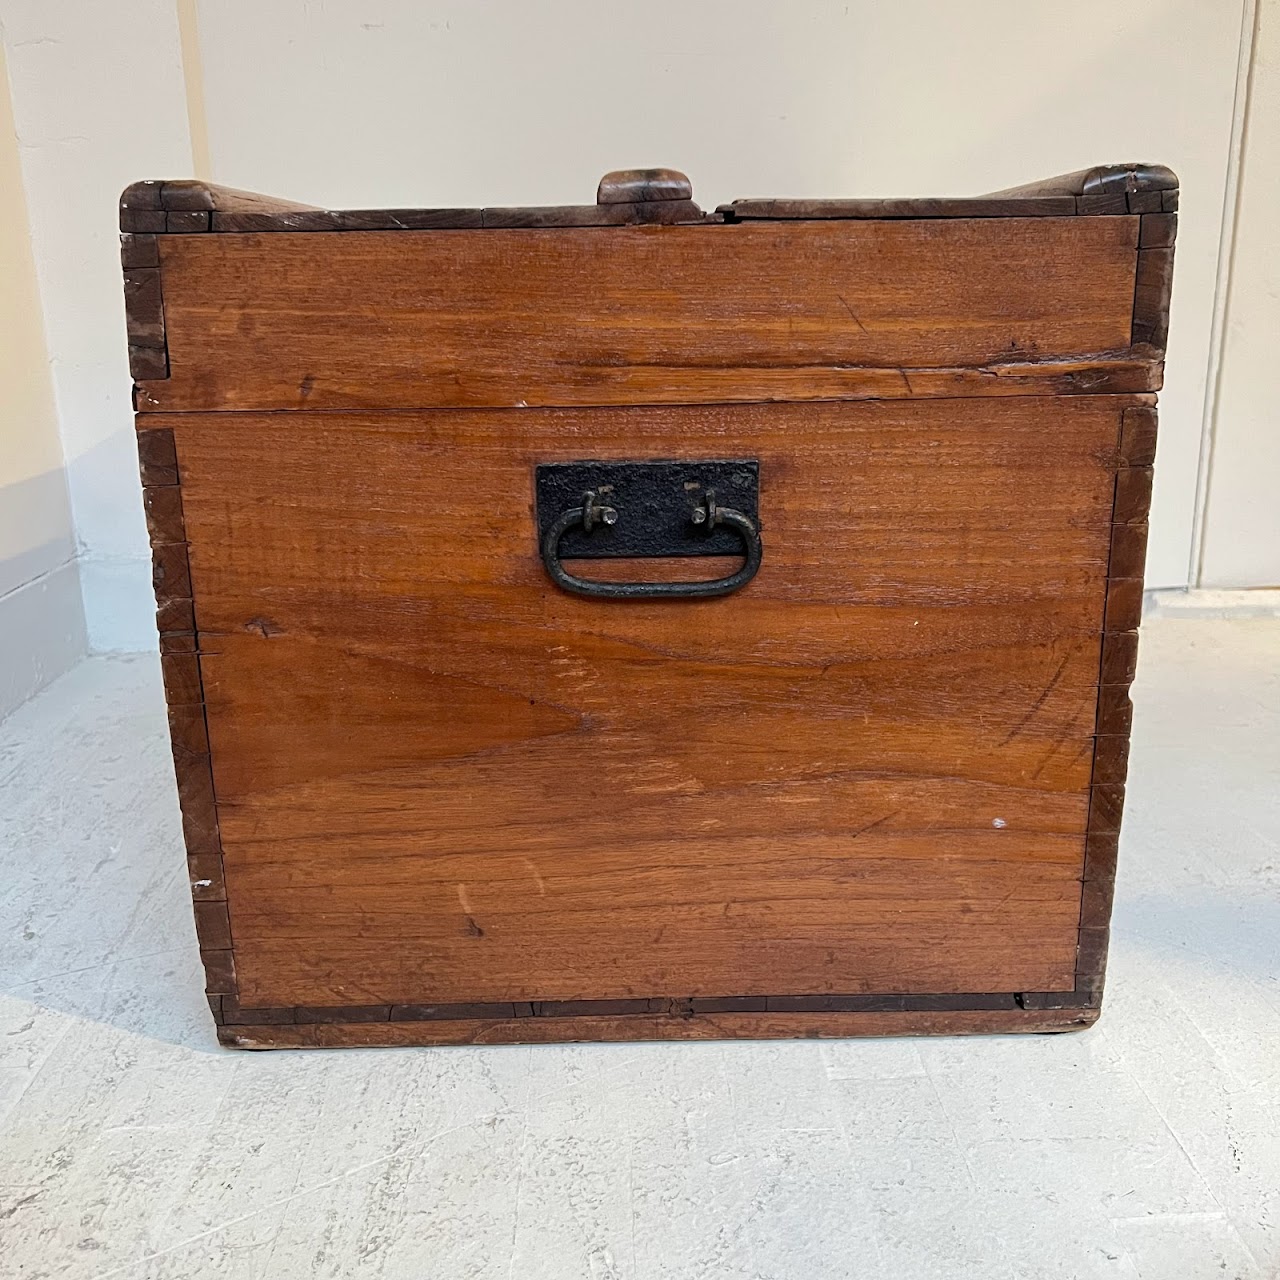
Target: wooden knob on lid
pixel 642 186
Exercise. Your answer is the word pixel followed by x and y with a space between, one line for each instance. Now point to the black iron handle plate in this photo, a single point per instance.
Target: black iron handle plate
pixel 590 510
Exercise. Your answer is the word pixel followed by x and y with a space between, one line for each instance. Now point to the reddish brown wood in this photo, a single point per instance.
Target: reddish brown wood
pixel 264 570
pixel 874 524
pixel 718 1026
pixel 778 311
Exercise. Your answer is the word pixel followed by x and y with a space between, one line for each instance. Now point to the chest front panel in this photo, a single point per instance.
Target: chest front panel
pixel 867 771
pixel 433 793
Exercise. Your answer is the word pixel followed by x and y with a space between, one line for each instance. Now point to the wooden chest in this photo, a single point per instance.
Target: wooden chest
pixel 625 621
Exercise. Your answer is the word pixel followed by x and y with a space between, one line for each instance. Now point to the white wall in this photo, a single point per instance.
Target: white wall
pixel 99 102
pixel 42 628
pixel 401 102
pixel 1242 512
pixel 404 102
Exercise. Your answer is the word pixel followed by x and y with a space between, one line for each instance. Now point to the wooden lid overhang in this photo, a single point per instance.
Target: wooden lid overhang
pixel 1083 307
pixel 633 197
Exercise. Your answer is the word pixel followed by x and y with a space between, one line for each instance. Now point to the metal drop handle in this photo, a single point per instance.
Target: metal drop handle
pixel 594 513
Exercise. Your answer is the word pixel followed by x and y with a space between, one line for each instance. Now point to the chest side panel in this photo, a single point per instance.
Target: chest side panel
pixel 644 314
pixel 440 779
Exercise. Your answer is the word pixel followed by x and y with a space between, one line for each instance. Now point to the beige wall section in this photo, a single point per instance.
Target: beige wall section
pixel 405 102
pixel 99 102
pixel 1241 545
pixel 41 616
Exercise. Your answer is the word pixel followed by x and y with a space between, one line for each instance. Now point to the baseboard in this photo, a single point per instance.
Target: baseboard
pixel 42 634
pixel 1261 602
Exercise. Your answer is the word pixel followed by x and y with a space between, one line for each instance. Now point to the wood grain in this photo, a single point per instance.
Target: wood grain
pixel 636 186
pixel 1121 616
pixel 1101 180
pixel 663 315
pixel 439 780
pixel 722 1026
pixel 917 207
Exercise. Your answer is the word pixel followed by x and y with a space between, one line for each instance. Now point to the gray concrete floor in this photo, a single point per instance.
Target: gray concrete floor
pixel 130 1145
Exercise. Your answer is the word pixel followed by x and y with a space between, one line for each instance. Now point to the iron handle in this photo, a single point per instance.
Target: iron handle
pixel 593 513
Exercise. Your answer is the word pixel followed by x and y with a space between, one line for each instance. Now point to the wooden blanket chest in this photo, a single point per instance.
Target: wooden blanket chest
pixel 626 621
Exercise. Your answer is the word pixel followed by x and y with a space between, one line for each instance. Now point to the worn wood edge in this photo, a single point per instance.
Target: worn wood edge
pixel 1153 284
pixel 1113 717
pixel 706 1026
pixel 191 195
pixel 763 209
pixel 630 197
pixel 180 206
pixel 144 308
pixel 160 473
pixel 1132 372
pixel 1116 189
pixel 1104 179
pixel 657 212
pixel 679 1007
